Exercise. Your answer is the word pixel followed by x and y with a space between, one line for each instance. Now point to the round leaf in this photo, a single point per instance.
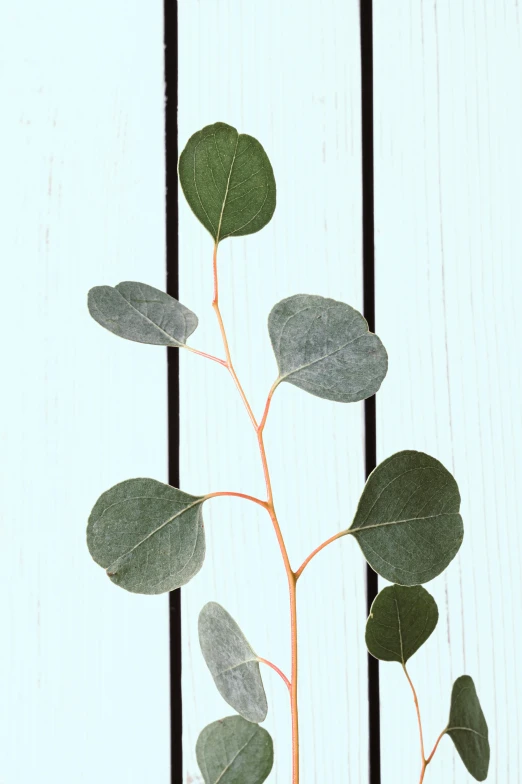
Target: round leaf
pixel 232 662
pixel 228 181
pixel 468 729
pixel 142 313
pixel 234 751
pixel 401 620
pixel 147 535
pixel 408 523
pixel 325 348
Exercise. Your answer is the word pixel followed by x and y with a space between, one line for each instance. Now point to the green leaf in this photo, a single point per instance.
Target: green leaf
pixel 468 729
pixel 228 181
pixel 408 523
pixel 401 620
pixel 234 751
pixel 142 313
pixel 147 535
pixel 232 662
pixel 325 348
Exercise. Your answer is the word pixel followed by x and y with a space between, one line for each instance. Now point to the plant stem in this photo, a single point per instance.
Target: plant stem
pixel 207 356
pixel 283 676
pixel 419 721
pixel 318 550
pixel 269 505
pixel 229 365
pixel 435 746
pixel 425 762
pixel 237 495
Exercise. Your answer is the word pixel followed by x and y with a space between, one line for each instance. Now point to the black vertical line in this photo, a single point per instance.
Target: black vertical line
pixel 171 207
pixel 366 25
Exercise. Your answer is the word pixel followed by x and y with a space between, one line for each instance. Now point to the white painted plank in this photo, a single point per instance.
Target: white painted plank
pixel 83 664
pixel 448 168
pixel 291 79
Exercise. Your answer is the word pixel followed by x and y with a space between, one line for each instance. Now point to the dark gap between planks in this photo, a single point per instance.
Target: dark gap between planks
pixel 171 183
pixel 370 424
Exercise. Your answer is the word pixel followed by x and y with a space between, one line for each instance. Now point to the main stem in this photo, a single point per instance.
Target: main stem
pixel 425 761
pixel 291 576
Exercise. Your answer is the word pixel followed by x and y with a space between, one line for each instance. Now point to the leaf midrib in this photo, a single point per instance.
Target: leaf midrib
pixel 400 522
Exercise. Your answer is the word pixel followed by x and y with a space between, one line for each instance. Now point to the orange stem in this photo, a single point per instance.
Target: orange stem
pixel 269 505
pixel 318 550
pixel 417 709
pixel 237 495
pixel 283 676
pixel 435 746
pixel 207 356
pixel 425 762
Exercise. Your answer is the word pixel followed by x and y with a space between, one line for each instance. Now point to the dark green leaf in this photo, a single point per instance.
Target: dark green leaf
pixel 467 728
pixel 228 181
pixel 408 523
pixel 232 662
pixel 142 313
pixel 147 535
pixel 234 751
pixel 401 620
pixel 324 347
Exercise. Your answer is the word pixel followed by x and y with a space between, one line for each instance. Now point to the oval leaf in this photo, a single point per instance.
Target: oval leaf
pixel 147 535
pixel 232 662
pixel 234 751
pixel 468 729
pixel 401 620
pixel 408 523
pixel 142 313
pixel 325 348
pixel 228 181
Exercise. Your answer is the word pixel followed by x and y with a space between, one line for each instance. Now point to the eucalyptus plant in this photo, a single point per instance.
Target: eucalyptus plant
pixel 150 537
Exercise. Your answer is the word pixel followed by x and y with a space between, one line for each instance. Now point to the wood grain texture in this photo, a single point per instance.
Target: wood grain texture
pixel 84 678
pixel 292 80
pixel 448 168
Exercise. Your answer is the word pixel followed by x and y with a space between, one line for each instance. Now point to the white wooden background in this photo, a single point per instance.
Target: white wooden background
pixel 448 174
pixel 84 668
pixel 84 682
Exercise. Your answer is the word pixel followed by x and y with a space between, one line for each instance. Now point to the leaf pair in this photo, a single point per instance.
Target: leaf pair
pixel 401 620
pixel 233 749
pixel 150 537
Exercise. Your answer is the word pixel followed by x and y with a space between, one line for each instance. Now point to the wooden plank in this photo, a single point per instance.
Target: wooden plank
pixel 291 79
pixel 83 665
pixel 448 169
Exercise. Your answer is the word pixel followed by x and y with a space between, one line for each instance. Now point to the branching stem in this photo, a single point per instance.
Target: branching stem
pixel 273 666
pixel 425 761
pixel 318 550
pixel 237 495
pixel 269 505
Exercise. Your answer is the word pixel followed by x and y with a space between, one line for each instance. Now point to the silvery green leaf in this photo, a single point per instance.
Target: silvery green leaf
pixel 408 523
pixel 324 347
pixel 147 535
pixel 228 181
pixel 401 620
pixel 234 751
pixel 232 662
pixel 468 729
pixel 142 313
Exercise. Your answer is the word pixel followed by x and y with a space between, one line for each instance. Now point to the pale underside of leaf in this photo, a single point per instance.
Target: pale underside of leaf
pixel 138 312
pixel 232 662
pixel 324 347
pixel 401 620
pixel 234 751
pixel 408 522
pixel 147 535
